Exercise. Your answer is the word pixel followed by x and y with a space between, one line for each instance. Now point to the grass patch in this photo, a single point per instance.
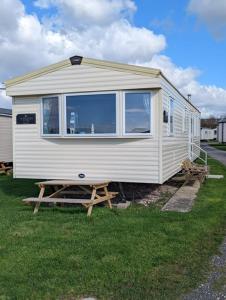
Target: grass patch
pixel 218 146
pixel 138 253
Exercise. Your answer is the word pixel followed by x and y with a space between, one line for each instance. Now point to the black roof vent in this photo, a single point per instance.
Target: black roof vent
pixel 76 60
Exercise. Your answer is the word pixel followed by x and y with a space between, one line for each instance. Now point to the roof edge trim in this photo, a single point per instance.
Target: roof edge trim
pixel 35 74
pixel 120 66
pixel 163 76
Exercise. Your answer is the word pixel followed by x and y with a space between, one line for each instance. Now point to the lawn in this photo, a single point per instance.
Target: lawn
pixel 218 146
pixel 138 253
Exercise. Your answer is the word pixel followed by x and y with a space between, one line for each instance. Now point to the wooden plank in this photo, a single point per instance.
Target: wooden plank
pixel 85 189
pixel 107 194
pixel 72 192
pixel 58 200
pixel 40 196
pixel 57 192
pixel 100 186
pixel 72 182
pixel 92 200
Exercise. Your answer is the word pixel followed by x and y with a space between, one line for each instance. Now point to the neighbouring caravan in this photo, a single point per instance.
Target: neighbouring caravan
pixel 6 147
pixel 208 134
pixel 221 131
pixel 93 119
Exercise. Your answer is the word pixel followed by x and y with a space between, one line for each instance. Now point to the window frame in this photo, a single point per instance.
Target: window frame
pixel 124 133
pixel 59 113
pixel 76 135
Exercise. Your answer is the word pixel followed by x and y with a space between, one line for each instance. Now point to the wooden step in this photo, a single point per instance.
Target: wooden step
pixel 58 200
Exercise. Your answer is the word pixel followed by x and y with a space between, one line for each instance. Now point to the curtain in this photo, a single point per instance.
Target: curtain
pixel 146 103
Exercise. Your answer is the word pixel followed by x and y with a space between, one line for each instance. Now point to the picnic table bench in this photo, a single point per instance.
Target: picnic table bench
pixel 4 168
pixel 97 191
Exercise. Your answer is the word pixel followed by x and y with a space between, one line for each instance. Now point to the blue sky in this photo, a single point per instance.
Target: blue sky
pixel 189 43
pixel 186 39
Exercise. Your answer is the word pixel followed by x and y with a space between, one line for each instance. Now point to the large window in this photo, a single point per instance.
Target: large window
pixel 50 116
pixel 91 114
pixel 137 113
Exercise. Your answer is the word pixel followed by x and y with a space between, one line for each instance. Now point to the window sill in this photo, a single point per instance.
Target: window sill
pixel 99 137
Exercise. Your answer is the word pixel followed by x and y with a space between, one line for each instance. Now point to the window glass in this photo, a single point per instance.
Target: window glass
pixel 91 114
pixel 171 119
pixel 50 114
pixel 137 113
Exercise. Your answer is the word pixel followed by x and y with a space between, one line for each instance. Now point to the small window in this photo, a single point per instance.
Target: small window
pixel 91 114
pixel 137 113
pixel 171 118
pixel 50 116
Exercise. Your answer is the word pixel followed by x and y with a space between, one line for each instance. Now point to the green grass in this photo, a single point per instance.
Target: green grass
pixel 138 253
pixel 218 146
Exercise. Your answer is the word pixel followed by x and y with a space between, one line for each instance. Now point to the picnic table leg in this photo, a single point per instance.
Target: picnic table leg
pixel 41 193
pixel 109 199
pixel 91 204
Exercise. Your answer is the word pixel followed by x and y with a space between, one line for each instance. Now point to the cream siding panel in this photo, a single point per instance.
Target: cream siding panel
pixel 82 78
pixel 6 147
pixel 116 159
pixel 175 148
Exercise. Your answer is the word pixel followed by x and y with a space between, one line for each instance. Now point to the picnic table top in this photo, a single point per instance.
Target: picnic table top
pixel 72 182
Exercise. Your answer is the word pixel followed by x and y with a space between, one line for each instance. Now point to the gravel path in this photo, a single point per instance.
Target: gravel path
pixel 215 286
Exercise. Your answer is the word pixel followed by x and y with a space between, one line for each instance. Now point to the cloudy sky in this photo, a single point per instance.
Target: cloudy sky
pixel 184 38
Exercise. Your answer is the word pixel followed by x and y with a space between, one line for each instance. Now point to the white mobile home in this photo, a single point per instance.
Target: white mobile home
pixel 208 134
pixel 221 131
pixel 6 145
pixel 93 119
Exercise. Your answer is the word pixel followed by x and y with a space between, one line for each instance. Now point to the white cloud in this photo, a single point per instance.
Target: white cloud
pixel 212 14
pixel 209 98
pixel 81 13
pixel 104 32
pixel 180 76
pixel 31 44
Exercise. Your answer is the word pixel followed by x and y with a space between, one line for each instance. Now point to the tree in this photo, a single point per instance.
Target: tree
pixel 210 122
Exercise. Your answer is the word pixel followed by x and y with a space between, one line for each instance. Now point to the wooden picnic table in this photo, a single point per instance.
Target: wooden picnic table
pixel 4 168
pixel 97 190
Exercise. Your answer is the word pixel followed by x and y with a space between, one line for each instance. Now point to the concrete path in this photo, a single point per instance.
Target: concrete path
pixel 215 153
pixel 183 199
pixel 215 286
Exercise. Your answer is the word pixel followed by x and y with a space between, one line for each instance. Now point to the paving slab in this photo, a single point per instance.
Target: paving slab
pixel 183 199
